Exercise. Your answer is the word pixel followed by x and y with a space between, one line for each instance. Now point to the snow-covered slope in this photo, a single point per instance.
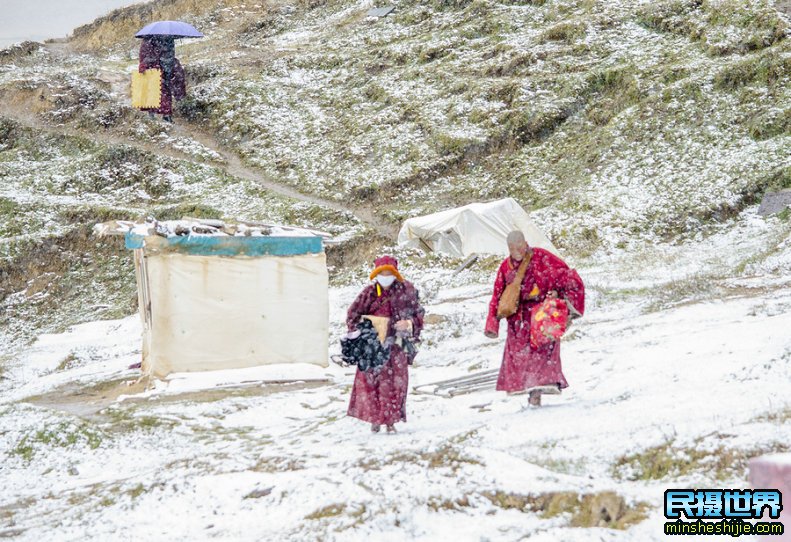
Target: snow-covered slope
pixel 662 394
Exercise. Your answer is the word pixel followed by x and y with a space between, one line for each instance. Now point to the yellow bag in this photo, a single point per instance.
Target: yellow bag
pixel 509 299
pixel 147 89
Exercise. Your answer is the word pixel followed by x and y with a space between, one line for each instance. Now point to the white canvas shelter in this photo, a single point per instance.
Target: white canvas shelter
pixel 478 228
pixel 215 302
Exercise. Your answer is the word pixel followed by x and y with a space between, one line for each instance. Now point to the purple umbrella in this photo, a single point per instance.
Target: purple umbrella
pixel 176 29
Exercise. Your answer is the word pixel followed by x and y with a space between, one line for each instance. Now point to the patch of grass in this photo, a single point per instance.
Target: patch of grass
pixel 609 91
pixel 429 53
pixel 767 69
pixel 779 179
pixel 127 420
pixel 442 5
pixel 278 464
pixel 507 92
pixel 438 504
pixel 563 466
pixel 671 16
pixel 10 133
pixel 446 456
pixel 668 460
pixel 605 509
pixel 375 93
pixel 447 144
pixel 723 26
pixel 464 437
pixel 770 124
pixel 329 511
pixel 136 491
pixel 89 278
pixel 69 362
pixel 523 125
pixel 582 241
pixel 8 207
pixel 523 2
pixel 176 212
pixel 61 435
pixel 567 32
pixel 20 218
pixel 779 416
pixel 515 64
pixel 760 26
pixel 122 166
pixel 93 214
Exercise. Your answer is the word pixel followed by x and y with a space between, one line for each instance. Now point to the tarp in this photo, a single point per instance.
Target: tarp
pixel 215 312
pixel 478 228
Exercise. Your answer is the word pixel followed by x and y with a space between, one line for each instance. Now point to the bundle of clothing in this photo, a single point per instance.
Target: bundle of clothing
pixel 548 322
pixel 363 348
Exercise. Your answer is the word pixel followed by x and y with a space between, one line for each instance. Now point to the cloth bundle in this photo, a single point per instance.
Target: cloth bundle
pixel 363 348
pixel 548 322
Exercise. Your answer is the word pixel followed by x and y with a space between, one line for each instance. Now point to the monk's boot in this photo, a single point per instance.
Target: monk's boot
pixel 391 429
pixel 375 427
pixel 534 399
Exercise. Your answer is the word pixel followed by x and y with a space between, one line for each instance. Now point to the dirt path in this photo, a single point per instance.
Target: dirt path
pixel 89 401
pixel 231 162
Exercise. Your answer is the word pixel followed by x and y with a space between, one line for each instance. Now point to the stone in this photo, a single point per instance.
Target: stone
pixel 775 202
pixel 380 12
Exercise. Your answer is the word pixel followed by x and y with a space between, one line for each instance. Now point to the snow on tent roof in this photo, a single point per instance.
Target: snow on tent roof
pixel 478 228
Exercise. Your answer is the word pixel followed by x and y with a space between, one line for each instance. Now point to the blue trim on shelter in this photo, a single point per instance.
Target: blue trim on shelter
pixel 222 245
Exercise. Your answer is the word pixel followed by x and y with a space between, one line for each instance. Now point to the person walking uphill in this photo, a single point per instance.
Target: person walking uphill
pixel 379 394
pixel 526 365
pixel 159 52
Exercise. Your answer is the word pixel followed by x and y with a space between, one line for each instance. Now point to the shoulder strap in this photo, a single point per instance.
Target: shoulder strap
pixel 522 270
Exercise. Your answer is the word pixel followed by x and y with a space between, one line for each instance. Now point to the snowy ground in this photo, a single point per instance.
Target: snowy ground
pixel 708 377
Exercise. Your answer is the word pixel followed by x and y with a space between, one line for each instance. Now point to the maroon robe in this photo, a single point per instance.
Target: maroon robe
pixel 379 396
pixel 523 366
pixel 160 53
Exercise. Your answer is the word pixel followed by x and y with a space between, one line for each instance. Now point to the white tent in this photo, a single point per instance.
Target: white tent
pixel 211 302
pixel 478 228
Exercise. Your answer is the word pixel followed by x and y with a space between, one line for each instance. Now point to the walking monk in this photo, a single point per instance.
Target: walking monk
pixel 379 395
pixel 525 367
pixel 159 52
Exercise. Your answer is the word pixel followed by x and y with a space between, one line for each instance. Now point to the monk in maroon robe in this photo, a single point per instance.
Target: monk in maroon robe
pixel 159 52
pixel 523 366
pixel 379 395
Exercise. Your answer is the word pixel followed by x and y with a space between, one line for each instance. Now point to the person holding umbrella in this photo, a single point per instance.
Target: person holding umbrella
pixel 158 51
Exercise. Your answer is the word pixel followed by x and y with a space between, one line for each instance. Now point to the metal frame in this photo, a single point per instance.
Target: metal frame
pixel 462 385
